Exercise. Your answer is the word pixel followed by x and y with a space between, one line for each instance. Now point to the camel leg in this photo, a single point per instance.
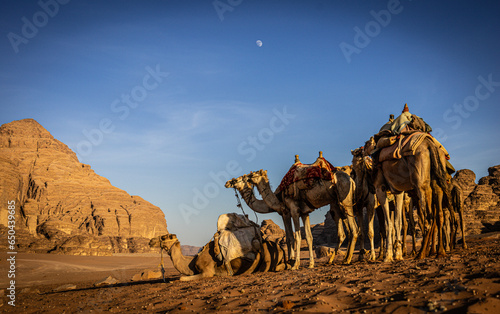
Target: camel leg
pixel 266 259
pixel 405 227
pixel 290 240
pixel 382 197
pixel 425 205
pixel 440 227
pixel 353 234
pixel 294 211
pixel 335 213
pixel 448 228
pixel 361 224
pixel 383 234
pixel 255 263
pixel 370 212
pixel 462 226
pixel 411 223
pixel 298 240
pixel 398 219
pixel 309 239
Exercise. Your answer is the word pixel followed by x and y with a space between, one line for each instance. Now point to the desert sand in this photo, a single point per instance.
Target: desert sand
pixel 464 281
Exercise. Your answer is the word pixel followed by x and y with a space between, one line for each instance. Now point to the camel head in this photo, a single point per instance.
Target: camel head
pixel 357 158
pixel 258 176
pixel 164 241
pixel 369 147
pixel 239 183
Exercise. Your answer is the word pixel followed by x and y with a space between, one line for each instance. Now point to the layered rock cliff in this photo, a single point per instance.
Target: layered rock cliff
pixel 62 205
pixel 482 200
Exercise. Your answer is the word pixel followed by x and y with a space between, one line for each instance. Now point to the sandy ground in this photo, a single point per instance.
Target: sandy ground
pixel 464 281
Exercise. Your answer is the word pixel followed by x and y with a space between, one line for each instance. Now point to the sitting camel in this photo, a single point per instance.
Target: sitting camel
pixel 205 264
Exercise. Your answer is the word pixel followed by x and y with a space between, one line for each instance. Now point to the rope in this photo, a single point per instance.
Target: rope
pixel 238 204
pixel 161 260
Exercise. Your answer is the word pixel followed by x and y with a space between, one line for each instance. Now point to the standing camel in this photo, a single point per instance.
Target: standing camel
pixel 305 195
pixel 364 197
pixel 410 173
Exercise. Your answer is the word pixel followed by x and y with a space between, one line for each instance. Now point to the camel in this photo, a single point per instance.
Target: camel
pixel 457 204
pixel 410 173
pixel 445 210
pixel 205 264
pixel 304 196
pixel 366 198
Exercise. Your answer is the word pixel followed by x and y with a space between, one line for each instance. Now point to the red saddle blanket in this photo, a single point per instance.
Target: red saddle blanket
pixel 321 169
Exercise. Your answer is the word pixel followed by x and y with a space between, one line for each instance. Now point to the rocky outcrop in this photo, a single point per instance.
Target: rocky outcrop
pixel 271 231
pixel 482 205
pixel 62 205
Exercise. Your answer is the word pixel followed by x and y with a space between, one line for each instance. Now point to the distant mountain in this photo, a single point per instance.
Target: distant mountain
pixel 62 205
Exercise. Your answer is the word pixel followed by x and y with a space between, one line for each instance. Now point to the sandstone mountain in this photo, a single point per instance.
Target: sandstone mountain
pixel 62 205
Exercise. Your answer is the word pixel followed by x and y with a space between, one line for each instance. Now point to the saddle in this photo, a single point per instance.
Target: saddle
pixel 406 145
pixel 320 169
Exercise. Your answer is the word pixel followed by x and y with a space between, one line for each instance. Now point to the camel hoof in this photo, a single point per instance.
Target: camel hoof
pixel 311 266
pixel 388 260
pixel 420 256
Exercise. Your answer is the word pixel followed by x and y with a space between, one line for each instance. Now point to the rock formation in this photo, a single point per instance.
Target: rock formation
pixel 482 205
pixel 271 231
pixel 62 205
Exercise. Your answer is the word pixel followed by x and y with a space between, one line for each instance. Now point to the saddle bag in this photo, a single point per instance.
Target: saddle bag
pixel 386 142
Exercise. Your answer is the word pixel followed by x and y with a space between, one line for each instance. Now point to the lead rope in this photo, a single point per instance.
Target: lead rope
pixel 238 204
pixel 256 230
pixel 161 262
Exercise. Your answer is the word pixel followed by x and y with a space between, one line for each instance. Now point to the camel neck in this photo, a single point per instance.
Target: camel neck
pixel 268 196
pixel 256 205
pixel 181 262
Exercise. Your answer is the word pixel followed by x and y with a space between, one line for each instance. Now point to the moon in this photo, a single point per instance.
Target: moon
pixel 259 43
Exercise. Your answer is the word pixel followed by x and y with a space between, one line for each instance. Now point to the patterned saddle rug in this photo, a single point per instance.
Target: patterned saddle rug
pixel 320 169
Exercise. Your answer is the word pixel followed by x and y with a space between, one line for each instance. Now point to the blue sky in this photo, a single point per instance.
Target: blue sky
pixel 167 99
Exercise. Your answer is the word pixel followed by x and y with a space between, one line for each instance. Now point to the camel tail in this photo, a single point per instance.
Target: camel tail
pixel 438 170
